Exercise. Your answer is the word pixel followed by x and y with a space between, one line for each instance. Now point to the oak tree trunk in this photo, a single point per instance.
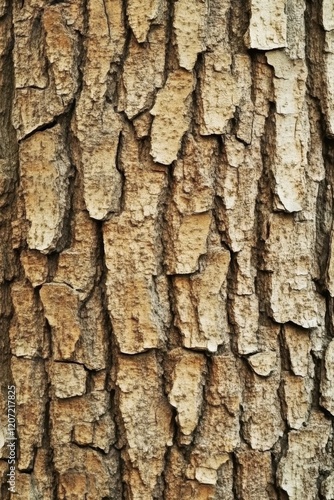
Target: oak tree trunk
pixel 167 265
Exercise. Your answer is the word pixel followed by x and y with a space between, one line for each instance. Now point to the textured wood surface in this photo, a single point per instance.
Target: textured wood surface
pixel 167 254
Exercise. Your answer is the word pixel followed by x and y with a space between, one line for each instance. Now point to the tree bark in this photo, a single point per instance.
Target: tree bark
pixel 167 270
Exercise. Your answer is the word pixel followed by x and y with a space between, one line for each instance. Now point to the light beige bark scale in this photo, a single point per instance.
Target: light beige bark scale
pixel 201 313
pixel 172 101
pixel 167 253
pixel 142 14
pixel 133 257
pixel 268 24
pixel 190 28
pixel 293 292
pixel 291 134
pixel 45 168
pixel 306 455
pixel 27 334
pixel 46 78
pixel 147 429
pixel 143 63
pixel 186 377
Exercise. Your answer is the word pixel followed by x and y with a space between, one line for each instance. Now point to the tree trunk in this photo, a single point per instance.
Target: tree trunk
pixel 167 270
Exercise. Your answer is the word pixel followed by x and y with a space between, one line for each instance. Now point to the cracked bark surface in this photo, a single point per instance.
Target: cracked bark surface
pixel 166 235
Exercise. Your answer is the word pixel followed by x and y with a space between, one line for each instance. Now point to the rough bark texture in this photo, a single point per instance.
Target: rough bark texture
pixel 167 253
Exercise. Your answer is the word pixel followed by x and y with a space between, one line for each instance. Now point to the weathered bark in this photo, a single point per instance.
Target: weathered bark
pixel 167 256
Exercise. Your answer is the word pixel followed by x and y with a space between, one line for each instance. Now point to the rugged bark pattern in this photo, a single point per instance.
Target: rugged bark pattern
pixel 167 269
